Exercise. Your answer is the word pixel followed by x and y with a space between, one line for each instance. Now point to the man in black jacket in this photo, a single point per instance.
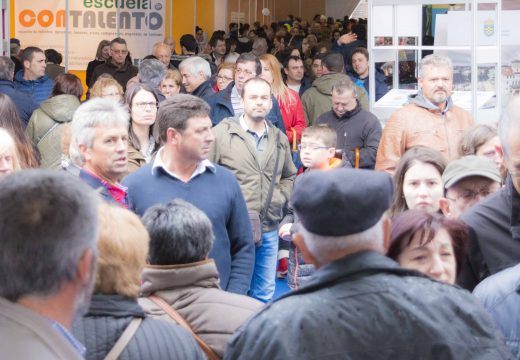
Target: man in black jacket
pixel 360 304
pixel 359 131
pixel 495 222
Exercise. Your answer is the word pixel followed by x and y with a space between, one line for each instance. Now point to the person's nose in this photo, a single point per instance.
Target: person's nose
pixel 436 267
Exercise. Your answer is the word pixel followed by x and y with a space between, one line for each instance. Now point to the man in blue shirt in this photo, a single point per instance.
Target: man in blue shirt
pixel 181 169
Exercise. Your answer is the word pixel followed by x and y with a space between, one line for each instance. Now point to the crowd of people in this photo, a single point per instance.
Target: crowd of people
pixel 158 212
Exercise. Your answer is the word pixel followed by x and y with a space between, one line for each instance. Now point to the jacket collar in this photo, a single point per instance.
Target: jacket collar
pixel 356 265
pixel 202 274
pixel 419 100
pixel 7 83
pixel 202 88
pixel 114 305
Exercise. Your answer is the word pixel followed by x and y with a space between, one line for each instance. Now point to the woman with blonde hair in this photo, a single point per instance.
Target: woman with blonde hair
pixel 171 83
pixel 123 248
pixel 9 160
pixel 289 100
pixel 107 87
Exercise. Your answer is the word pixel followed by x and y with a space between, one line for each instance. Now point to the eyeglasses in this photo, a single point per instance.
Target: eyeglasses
pixel 144 105
pixel 243 71
pixel 120 52
pixel 219 77
pixel 311 147
pixel 469 195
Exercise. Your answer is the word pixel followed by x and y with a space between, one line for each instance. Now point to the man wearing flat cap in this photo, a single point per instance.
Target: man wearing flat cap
pixel 359 303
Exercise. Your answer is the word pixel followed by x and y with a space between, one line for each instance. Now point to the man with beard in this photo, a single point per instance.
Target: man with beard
pixel 48 253
pixel 429 119
pixel 260 156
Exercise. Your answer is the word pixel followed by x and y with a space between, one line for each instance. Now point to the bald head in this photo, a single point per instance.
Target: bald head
pixel 162 52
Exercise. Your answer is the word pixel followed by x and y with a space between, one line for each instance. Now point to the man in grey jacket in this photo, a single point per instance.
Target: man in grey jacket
pixel 258 153
pixel 48 256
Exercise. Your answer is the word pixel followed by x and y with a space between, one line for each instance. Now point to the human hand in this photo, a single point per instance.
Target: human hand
pixel 347 38
pixel 285 232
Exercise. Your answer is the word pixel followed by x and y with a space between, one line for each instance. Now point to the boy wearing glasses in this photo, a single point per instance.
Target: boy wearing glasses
pixel 317 150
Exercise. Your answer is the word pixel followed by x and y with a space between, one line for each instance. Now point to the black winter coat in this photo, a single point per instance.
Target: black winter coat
pixel 108 317
pixel 364 306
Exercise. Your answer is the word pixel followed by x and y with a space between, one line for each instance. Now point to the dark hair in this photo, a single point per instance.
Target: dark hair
pixel 53 56
pixel 292 57
pixel 129 97
pixel 333 62
pixel 49 220
pixel 361 31
pixel 100 47
pixel 248 57
pixel 415 154
pixel 412 222
pixel 28 53
pixel 118 40
pixel 359 50
pixel 175 112
pixel 189 42
pixel 215 39
pixel 179 232
pixel 6 68
pixel 67 84
pixel 10 120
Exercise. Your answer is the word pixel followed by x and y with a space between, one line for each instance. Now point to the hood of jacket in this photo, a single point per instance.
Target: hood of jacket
pixel 325 83
pixel 419 100
pixel 202 274
pixel 18 77
pixel 60 108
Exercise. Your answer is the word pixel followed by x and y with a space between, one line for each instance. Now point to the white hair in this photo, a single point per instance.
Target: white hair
pixel 434 60
pixel 91 114
pixel 321 246
pixel 196 65
pixel 509 120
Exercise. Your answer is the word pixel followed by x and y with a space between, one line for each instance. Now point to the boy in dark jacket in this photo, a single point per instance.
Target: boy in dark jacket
pixel 317 150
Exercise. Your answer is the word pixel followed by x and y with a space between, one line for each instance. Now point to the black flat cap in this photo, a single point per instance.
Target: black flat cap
pixel 341 202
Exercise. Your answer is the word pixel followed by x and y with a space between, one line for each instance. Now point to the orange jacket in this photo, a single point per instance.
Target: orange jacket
pixel 417 125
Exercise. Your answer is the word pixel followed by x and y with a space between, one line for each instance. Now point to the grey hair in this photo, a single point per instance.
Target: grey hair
pixel 231 58
pixel 91 114
pixel 179 232
pixel 344 85
pixel 434 60
pixel 151 72
pixel 160 44
pixel 196 65
pixel 510 119
pixel 321 246
pixel 175 112
pixel 6 68
pixel 49 219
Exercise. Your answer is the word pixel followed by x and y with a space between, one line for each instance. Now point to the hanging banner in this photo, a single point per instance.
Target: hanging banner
pixel 43 24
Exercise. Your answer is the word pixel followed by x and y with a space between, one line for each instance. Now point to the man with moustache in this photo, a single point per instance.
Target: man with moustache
pixel 260 156
pixel 429 119
pixel 100 140
pixel 49 230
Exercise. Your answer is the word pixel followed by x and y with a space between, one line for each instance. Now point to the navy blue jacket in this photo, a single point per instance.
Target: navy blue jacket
pixel 221 108
pixel 381 86
pixel 204 91
pixel 97 185
pixel 218 194
pixel 39 90
pixel 24 103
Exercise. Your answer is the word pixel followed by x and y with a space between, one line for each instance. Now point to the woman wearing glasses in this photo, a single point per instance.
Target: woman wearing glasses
pixel 225 73
pixel 142 102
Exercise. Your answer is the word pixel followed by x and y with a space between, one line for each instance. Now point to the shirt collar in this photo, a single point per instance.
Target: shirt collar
pixel 69 337
pixel 246 128
pixel 201 166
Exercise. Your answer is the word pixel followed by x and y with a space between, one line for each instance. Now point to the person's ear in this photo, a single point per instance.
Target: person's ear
pixel 172 136
pixel 85 267
pixel 387 228
pixel 84 151
pixel 307 256
pixel 444 205
pixel 500 154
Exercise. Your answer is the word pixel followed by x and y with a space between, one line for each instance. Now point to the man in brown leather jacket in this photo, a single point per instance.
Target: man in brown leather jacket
pixel 429 119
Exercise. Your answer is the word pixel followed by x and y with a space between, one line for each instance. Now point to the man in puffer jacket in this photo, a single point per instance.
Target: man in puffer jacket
pixel 430 119
pixel 32 79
